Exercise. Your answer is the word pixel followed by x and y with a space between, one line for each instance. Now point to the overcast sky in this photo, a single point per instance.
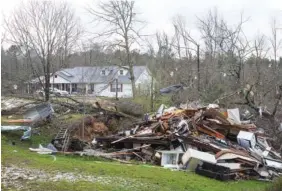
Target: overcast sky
pixel 159 13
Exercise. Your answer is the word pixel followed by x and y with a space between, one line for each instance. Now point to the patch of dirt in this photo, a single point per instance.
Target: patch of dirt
pixel 16 177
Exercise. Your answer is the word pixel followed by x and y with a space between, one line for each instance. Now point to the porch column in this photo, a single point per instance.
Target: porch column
pixel 70 88
pixel 86 88
pixel 28 88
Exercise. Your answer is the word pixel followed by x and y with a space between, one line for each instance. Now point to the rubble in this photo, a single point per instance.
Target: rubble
pixel 76 135
pixel 192 158
pixel 216 142
pixel 211 141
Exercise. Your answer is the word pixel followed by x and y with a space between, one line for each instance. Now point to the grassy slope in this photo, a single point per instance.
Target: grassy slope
pixel 155 176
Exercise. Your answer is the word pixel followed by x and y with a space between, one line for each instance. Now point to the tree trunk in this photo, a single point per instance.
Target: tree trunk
pixel 130 65
pixel 152 93
pixel 198 65
pixel 47 81
pixel 132 78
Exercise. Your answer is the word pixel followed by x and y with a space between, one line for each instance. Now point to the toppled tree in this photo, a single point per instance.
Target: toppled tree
pixel 41 29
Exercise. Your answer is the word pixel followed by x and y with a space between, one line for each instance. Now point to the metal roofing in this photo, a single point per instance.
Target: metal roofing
pixel 94 74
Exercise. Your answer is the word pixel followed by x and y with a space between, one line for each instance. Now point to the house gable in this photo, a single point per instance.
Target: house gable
pixel 144 77
pixel 58 79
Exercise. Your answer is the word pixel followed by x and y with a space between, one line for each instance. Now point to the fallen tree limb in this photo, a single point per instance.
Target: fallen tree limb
pixel 73 106
pixel 14 110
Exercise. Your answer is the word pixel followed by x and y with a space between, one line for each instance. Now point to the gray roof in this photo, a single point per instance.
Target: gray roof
pixel 93 74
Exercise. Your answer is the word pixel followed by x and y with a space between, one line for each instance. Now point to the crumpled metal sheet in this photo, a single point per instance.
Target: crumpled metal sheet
pixel 39 112
pixel 27 129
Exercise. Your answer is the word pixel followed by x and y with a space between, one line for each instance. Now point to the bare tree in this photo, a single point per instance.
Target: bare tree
pixel 181 30
pixel 258 67
pixel 41 28
pixel 275 42
pixel 3 36
pixel 276 45
pixel 261 50
pixel 229 43
pixel 72 32
pixel 121 22
pixel 164 57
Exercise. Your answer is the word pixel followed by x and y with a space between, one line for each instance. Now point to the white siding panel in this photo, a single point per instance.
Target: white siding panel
pixel 144 78
pixel 58 80
pixel 143 83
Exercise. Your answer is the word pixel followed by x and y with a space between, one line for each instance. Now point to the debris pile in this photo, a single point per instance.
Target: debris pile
pixel 77 135
pixel 211 141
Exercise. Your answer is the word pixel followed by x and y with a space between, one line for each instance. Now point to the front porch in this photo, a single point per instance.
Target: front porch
pixel 75 88
pixel 71 88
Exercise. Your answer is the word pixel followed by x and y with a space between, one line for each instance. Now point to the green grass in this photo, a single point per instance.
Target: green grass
pixel 145 102
pixel 157 177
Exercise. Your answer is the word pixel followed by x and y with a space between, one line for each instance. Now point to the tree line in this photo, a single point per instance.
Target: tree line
pixel 47 36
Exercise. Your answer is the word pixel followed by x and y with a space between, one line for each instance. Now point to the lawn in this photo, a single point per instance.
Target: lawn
pixel 137 177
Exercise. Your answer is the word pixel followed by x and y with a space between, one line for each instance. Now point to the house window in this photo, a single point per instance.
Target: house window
pixel 55 76
pixel 121 72
pixel 103 72
pixel 113 87
pixel 92 87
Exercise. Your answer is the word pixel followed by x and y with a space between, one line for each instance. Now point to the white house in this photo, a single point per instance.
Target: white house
pixel 101 81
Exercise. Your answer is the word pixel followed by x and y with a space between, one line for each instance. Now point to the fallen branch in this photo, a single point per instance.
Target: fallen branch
pixel 139 156
pixel 14 110
pixel 225 96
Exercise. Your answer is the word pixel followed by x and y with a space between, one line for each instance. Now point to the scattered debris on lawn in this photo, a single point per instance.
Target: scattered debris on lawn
pixel 215 142
pixel 42 150
pixel 26 129
pixel 33 115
